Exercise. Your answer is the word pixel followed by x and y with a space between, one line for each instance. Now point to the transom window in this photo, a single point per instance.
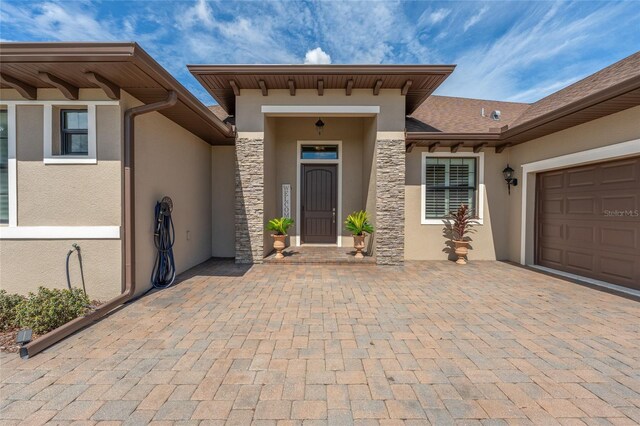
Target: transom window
pixel 319 152
pixel 74 132
pixel 449 183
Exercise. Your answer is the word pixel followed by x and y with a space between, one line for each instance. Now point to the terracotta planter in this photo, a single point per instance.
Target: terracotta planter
pixel 462 249
pixel 358 244
pixel 278 245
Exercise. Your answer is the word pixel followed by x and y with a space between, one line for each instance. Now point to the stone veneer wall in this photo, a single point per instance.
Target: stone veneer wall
pixel 390 169
pixel 249 200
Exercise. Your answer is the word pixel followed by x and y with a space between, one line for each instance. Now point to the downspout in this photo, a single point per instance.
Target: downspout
pixel 129 291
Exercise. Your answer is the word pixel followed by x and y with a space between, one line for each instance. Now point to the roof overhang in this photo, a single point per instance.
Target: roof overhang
pixel 605 102
pixel 111 67
pixel 415 82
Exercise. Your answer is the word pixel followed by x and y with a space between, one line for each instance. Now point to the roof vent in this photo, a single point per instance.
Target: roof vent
pixel 495 115
pixel 482 112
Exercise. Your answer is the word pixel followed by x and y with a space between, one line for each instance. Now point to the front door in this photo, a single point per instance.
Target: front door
pixel 319 203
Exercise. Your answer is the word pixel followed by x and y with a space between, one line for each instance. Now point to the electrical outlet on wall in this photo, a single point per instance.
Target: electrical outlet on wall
pixel 188 235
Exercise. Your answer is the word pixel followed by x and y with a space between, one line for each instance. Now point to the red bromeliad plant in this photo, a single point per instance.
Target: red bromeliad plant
pixel 461 222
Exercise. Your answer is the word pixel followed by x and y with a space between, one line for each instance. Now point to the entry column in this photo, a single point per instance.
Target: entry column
pixel 390 170
pixel 249 204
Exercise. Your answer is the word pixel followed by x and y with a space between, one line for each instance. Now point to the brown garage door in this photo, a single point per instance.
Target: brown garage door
pixel 588 222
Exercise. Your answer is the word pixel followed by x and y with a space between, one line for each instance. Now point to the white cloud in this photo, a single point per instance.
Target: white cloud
pixel 439 15
pixel 317 56
pixel 474 19
pixel 199 13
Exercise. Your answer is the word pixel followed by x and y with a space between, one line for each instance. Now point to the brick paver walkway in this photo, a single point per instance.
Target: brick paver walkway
pixel 488 343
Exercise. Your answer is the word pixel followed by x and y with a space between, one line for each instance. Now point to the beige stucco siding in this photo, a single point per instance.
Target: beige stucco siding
pixel 427 242
pixel 169 160
pixel 249 116
pixel 222 201
pixel 64 196
pixel 616 128
pixel 27 264
pixel 68 194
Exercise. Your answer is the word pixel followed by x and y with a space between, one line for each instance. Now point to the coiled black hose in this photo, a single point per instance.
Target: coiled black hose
pixel 164 267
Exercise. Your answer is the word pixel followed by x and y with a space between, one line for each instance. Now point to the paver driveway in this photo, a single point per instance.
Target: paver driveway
pixel 429 342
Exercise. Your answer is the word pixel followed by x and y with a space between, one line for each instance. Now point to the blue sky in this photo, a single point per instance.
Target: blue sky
pixel 517 51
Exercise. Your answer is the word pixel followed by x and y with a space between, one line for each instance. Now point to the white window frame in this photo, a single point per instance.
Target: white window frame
pixel 299 163
pixel 49 157
pixel 423 187
pixel 12 182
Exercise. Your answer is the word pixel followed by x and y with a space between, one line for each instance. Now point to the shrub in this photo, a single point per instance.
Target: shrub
pixel 50 308
pixel 358 223
pixel 280 225
pixel 8 312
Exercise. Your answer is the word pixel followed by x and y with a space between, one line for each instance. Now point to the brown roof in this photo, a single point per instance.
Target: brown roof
pixel 461 115
pixel 455 120
pixel 125 65
pixel 416 81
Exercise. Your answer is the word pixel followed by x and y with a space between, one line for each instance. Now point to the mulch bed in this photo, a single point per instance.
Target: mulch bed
pixel 8 341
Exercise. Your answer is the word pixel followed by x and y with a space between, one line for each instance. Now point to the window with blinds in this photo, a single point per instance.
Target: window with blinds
pixel 449 182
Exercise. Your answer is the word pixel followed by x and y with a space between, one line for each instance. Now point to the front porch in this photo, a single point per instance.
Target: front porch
pixel 307 254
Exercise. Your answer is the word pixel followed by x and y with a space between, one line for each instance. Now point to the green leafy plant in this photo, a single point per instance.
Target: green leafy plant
pixel 280 225
pixel 8 312
pixel 50 308
pixel 358 223
pixel 460 223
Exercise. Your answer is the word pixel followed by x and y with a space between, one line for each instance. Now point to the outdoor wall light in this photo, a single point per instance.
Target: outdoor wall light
pixel 508 174
pixel 319 126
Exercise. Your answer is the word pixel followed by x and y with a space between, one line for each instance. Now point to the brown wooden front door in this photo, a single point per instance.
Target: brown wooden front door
pixel 319 203
pixel 588 221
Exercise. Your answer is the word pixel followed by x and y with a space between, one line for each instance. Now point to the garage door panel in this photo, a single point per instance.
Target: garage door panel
pixel 581 205
pixel 617 268
pixel 580 234
pixel 586 221
pixel 621 172
pixel 553 180
pixel 583 261
pixel 613 238
pixel 553 206
pixel 619 202
pixel 582 177
pixel 551 256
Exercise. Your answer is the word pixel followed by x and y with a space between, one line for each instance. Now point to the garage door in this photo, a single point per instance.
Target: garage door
pixel 588 222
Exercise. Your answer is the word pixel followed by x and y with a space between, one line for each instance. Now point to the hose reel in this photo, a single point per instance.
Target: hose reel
pixel 164 268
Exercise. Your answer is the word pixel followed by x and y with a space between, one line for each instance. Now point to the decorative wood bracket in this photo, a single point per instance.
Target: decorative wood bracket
pixel 292 87
pixel 500 148
pixel 376 88
pixel 68 90
pixel 433 146
pixel 410 147
pixel 479 147
pixel 320 87
pixel 405 88
pixel 25 90
pixel 234 87
pixel 456 147
pixel 263 87
pixel 112 90
pixel 349 87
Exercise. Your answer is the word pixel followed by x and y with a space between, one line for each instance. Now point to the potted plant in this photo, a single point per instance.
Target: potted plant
pixel 358 224
pixel 459 224
pixel 279 226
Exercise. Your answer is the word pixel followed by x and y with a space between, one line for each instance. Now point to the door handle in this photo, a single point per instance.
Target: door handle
pixel 333 212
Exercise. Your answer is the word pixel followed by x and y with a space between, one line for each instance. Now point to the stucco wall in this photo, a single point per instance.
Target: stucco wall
pixel 426 242
pixel 68 194
pixel 28 264
pixel 169 160
pixel 65 195
pixel 620 127
pixel 348 130
pixel 271 208
pixel 249 117
pixel 222 201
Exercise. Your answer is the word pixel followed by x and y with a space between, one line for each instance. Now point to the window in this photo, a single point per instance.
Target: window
pixel 319 152
pixel 74 133
pixel 448 183
pixel 4 167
